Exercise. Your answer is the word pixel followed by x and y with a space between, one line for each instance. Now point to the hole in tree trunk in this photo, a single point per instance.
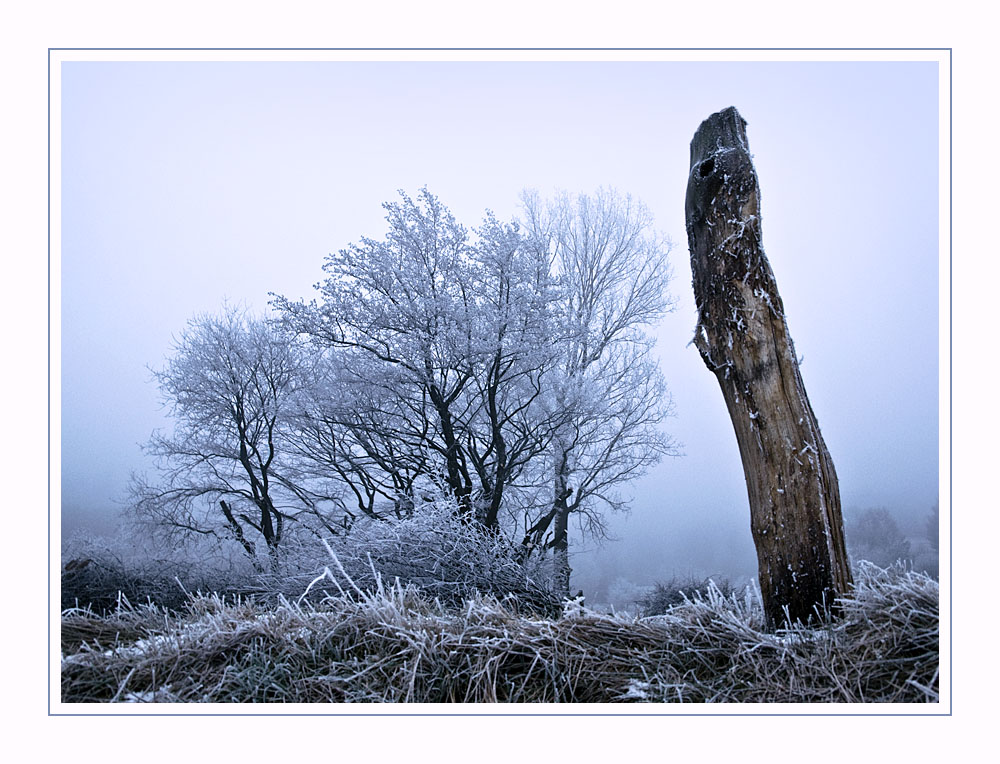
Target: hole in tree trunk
pixel 706 167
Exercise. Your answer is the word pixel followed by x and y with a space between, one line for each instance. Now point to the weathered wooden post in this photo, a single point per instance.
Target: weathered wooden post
pixel 743 338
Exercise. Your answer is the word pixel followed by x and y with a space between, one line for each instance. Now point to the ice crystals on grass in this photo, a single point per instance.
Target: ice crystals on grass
pixel 636 690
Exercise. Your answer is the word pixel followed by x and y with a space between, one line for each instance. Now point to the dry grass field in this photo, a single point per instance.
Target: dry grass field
pixel 396 644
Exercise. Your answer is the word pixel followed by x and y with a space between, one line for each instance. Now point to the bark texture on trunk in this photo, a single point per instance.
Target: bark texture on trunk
pixel 560 552
pixel 743 338
pixel 560 532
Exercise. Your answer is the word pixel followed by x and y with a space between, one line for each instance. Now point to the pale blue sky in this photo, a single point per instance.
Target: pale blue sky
pixel 184 184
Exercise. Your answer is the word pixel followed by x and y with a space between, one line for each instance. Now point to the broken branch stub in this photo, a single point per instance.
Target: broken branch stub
pixel 743 338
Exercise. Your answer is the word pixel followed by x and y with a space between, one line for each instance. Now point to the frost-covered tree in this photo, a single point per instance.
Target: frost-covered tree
pixel 613 273
pixel 489 367
pixel 404 304
pixel 450 326
pixel 503 363
pixel 229 386
pixel 513 420
pixel 874 535
pixel 357 438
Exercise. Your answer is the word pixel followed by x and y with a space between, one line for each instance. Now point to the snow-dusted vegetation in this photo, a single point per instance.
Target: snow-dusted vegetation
pixel 394 643
pixel 435 552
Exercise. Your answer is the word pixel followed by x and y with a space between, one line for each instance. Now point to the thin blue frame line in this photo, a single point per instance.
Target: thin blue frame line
pixel 515 49
pixel 48 375
pixel 508 714
pixel 951 382
pixel 951 397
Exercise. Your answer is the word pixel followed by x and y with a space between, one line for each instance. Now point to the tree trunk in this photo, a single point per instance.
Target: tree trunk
pixel 458 478
pixel 560 536
pixel 238 533
pixel 743 338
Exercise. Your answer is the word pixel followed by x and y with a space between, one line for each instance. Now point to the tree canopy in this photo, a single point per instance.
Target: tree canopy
pixel 505 366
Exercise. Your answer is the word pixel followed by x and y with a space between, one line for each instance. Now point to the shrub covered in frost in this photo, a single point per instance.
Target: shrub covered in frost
pixel 665 595
pixel 875 536
pixel 99 573
pixel 435 552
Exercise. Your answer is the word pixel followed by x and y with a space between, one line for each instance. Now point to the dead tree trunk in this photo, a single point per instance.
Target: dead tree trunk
pixel 743 338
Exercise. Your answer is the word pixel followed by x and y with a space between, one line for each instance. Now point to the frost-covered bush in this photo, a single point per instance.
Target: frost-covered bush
pixel 100 573
pixel 875 536
pixel 676 591
pixel 932 527
pixel 926 550
pixel 435 551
